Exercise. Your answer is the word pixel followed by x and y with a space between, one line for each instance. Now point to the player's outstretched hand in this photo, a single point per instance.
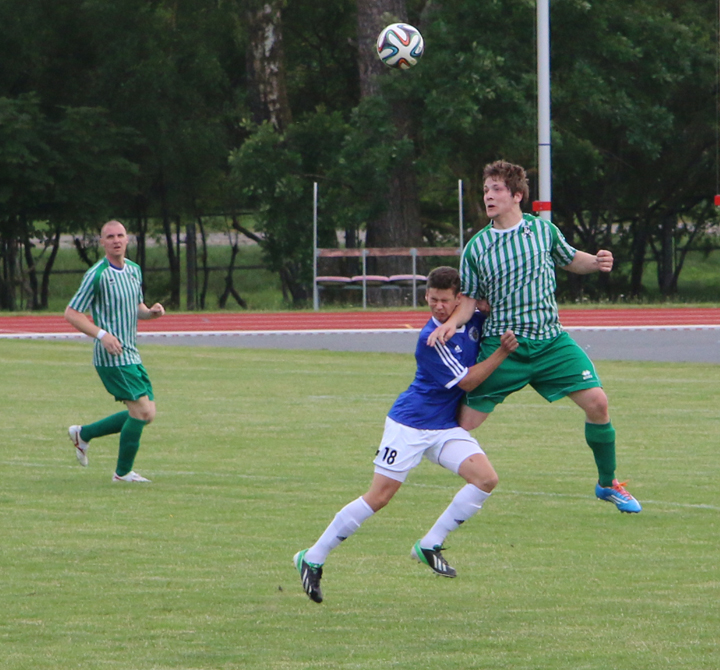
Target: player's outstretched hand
pixel 508 342
pixel 604 260
pixel 156 311
pixel 112 344
pixel 441 334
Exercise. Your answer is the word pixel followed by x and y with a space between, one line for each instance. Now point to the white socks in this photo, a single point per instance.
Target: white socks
pixel 345 523
pixel 466 503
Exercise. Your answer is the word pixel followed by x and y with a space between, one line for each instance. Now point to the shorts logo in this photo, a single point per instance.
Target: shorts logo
pixel 587 375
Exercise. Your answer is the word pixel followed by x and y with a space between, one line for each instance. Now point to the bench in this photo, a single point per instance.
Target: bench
pixel 365 280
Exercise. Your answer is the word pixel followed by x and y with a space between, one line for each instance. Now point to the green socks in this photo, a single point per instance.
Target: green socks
pixel 129 445
pixel 130 431
pixel 601 439
pixel 107 426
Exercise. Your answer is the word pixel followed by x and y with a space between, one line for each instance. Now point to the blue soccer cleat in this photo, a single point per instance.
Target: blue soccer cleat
pixel 618 495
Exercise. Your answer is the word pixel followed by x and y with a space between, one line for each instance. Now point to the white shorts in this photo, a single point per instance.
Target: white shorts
pixel 402 448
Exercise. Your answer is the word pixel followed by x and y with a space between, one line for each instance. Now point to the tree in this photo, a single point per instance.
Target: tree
pixel 634 115
pixel 274 174
pixel 398 224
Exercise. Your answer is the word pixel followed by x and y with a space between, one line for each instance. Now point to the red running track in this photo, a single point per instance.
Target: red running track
pixel 366 320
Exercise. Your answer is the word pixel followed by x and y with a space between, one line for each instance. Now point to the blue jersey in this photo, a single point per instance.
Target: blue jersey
pixel 431 401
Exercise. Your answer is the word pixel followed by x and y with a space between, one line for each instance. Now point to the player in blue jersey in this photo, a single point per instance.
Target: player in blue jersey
pixel 423 422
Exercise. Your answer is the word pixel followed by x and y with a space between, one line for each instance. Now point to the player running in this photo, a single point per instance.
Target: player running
pixel 511 264
pixel 423 422
pixel 112 289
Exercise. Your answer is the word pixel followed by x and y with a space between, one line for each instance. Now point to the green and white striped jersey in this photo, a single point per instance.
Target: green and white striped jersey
pixel 112 296
pixel 514 270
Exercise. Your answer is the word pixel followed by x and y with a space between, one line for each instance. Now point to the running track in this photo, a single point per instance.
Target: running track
pixel 288 322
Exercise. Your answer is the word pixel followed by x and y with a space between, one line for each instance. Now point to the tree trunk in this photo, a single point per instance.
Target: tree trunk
pixel 291 286
pixel 141 244
pixel 31 274
pixel 173 258
pixel 47 270
pixel 191 264
pixel 666 257
pixel 7 282
pixel 230 289
pixel 638 249
pixel 206 269
pixel 266 66
pixel 399 225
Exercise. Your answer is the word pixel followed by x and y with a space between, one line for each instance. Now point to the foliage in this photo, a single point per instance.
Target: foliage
pixel 634 118
pixel 274 174
pixel 132 109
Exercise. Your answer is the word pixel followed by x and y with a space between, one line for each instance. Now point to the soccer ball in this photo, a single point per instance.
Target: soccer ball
pixel 400 46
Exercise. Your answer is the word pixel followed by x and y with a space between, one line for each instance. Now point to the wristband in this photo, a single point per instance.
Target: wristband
pixel 101 333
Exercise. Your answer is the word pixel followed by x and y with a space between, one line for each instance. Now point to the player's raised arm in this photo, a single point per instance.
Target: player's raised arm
pixel 584 263
pixel 462 314
pixel 479 372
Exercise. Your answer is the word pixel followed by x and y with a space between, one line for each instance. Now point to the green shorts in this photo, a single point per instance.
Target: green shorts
pixel 126 382
pixel 554 368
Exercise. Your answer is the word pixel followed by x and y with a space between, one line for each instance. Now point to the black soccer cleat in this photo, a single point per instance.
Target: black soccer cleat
pixel 434 559
pixel 310 576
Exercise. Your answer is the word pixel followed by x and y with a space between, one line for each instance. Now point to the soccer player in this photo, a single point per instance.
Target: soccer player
pixel 511 264
pixel 112 290
pixel 423 422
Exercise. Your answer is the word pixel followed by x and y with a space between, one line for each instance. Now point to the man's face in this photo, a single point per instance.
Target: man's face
pixel 498 199
pixel 114 239
pixel 442 302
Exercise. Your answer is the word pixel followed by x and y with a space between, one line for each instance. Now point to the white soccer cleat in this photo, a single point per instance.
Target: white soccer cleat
pixel 131 476
pixel 81 446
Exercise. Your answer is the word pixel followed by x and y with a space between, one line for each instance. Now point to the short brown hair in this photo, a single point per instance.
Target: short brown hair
pixel 513 176
pixel 444 278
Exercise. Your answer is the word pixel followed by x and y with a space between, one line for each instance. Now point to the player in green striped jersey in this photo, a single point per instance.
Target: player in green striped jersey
pixel 112 290
pixel 511 264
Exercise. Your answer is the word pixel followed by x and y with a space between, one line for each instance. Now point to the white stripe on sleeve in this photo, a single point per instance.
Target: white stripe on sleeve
pixel 455 367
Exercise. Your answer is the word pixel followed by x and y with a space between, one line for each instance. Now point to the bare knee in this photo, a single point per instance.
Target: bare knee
pixel 595 404
pixel 142 411
pixel 478 471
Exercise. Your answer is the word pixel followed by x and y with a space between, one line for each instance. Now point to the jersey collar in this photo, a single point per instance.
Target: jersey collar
pixel 505 231
pixel 459 329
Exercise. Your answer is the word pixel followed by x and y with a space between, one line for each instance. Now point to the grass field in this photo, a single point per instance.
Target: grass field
pixel 251 455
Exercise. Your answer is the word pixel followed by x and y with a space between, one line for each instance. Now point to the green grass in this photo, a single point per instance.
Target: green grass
pixel 251 455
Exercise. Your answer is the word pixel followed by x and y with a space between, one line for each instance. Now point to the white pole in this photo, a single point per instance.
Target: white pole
pixel 543 73
pixel 460 214
pixel 316 297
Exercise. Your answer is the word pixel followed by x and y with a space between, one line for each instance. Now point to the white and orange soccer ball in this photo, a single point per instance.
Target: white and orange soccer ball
pixel 400 45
